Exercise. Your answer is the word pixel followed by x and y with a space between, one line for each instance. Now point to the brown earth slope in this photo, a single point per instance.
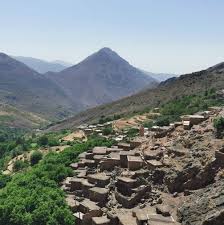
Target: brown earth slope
pixel 27 90
pixel 171 89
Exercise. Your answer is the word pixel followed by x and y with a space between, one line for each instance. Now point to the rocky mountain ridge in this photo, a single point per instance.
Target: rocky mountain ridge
pixel 100 78
pixel 26 89
pixel 171 89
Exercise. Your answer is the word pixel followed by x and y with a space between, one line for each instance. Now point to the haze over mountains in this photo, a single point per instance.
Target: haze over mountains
pixel 160 76
pixel 42 66
pixel 100 78
pixel 25 88
pixel 103 77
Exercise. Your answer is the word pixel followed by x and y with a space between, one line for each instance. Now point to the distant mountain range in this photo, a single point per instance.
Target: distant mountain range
pixel 100 78
pixel 160 76
pixel 42 66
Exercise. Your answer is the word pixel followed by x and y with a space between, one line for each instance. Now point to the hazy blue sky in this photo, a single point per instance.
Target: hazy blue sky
pixel 175 36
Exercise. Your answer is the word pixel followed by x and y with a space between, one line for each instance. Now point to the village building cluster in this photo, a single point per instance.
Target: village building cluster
pixel 139 182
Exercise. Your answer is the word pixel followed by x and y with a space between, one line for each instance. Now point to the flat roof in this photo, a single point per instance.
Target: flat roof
pixel 89 204
pixel 126 179
pixel 154 162
pixel 99 176
pixel 100 220
pixel 100 150
pixel 135 158
pixel 99 190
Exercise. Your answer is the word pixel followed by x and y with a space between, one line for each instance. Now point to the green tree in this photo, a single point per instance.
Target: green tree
pixel 4 179
pixel 163 121
pixel 35 157
pixel 43 140
pixel 107 131
pixel 35 197
pixel 219 125
pixel 19 165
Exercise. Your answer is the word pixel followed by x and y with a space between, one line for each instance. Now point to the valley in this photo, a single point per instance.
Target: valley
pixel 145 167
pixel 112 112
pixel 170 90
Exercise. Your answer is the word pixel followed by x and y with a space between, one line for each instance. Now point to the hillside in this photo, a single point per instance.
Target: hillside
pixel 42 66
pixel 16 118
pixel 102 77
pixel 27 90
pixel 171 89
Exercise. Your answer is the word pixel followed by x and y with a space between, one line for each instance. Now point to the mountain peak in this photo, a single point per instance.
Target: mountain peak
pixel 110 53
pixel 105 55
pixel 106 50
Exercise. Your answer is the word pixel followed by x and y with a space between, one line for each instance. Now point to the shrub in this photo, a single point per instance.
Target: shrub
pixel 53 142
pixel 4 179
pixel 219 125
pixel 33 145
pixel 19 165
pixel 132 132
pixel 163 121
pixel 149 124
pixel 43 141
pixel 107 131
pixel 35 157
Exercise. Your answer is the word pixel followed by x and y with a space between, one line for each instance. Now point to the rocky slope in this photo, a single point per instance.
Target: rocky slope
pixel 17 118
pixel 169 175
pixel 170 89
pixel 30 91
pixel 100 78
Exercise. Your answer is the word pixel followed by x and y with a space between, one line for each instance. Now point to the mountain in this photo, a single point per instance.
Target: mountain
pixel 160 76
pixel 63 63
pixel 30 91
pixel 171 89
pixel 13 117
pixel 42 66
pixel 101 78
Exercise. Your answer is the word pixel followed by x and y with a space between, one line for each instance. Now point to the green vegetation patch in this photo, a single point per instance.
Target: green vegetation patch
pixel 33 197
pixel 6 118
pixel 171 111
pixel 219 125
pixel 132 132
pixel 104 119
pixel 35 157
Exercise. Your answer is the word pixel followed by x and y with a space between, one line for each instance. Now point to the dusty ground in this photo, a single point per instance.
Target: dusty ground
pixel 75 135
pixel 134 121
